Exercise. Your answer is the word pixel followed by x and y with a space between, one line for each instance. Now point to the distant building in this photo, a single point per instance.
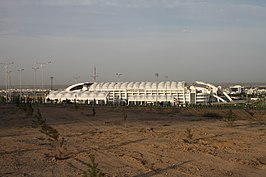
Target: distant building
pixel 139 93
pixel 261 90
pixel 236 90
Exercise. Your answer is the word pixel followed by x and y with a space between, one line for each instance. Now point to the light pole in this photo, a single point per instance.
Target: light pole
pixel 166 78
pixel 9 82
pixel 42 65
pixel 35 69
pixel 118 76
pixel 20 83
pixel 157 76
pixel 6 66
pixel 94 76
pixel 76 79
pixel 52 78
pixel 118 80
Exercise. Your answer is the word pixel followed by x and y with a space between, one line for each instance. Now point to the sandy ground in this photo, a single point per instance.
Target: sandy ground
pixel 150 143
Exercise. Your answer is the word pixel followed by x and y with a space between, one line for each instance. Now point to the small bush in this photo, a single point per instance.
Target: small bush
pixel 50 132
pixel 39 120
pixel 30 110
pixel 93 170
pixel 26 108
pixel 189 136
pixel 46 129
pixel 52 135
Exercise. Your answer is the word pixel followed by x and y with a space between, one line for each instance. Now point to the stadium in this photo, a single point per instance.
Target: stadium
pixel 140 93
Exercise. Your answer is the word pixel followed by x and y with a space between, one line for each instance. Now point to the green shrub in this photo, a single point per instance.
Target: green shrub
pixel 39 120
pixel 53 136
pixel 27 108
pixel 93 170
pixel 50 132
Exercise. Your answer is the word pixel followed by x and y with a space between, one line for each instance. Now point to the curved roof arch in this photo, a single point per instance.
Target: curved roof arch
pixel 112 85
pixel 174 85
pixel 130 85
pixel 105 85
pixel 154 85
pixel 124 85
pixel 78 86
pixel 136 85
pixel 142 85
pixel 118 85
pixel 148 85
pixel 98 86
pixel 161 85
pixel 168 85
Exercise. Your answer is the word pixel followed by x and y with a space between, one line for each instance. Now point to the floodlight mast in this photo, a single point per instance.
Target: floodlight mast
pixel 94 76
pixel 157 76
pixel 52 78
pixel 42 65
pixel 166 78
pixel 6 66
pixel 9 82
pixel 20 83
pixel 118 80
pixel 118 76
pixel 76 79
pixel 35 68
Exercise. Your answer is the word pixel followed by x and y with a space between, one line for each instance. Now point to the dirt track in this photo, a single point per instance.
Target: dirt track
pixel 151 143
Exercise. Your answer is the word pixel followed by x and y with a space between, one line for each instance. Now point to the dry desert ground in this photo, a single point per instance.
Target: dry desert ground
pixel 133 142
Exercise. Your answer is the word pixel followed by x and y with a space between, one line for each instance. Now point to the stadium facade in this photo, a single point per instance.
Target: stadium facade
pixel 140 93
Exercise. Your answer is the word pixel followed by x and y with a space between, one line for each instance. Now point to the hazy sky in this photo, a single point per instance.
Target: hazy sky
pixel 212 40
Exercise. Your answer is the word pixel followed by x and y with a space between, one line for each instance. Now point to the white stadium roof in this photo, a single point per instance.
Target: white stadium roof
pixel 136 85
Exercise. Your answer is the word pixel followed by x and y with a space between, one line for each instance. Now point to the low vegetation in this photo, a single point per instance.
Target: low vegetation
pixel 27 108
pixel 39 121
pixel 52 135
pixel 93 170
pixel 188 135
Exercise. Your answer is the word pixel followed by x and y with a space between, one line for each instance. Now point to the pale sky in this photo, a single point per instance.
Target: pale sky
pixel 212 40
